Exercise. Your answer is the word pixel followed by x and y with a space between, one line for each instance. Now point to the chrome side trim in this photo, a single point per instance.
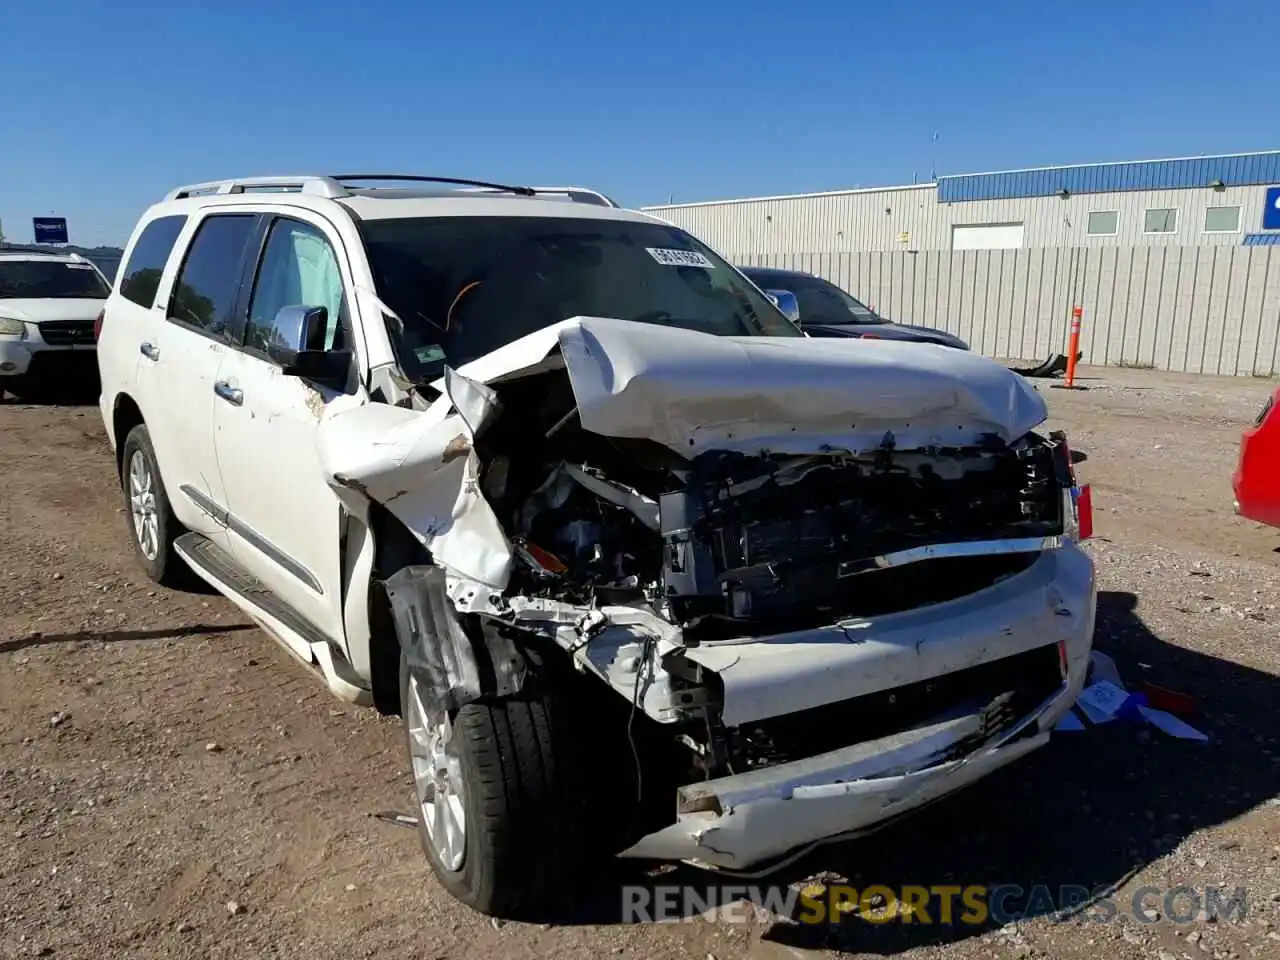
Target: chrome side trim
pixel 971 548
pixel 222 516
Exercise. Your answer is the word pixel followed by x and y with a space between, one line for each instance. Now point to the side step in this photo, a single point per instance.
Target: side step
pixel 301 638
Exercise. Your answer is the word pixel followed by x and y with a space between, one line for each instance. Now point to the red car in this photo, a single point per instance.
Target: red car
pixel 1257 478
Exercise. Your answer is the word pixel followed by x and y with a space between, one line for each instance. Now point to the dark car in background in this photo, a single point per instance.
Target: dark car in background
pixel 824 310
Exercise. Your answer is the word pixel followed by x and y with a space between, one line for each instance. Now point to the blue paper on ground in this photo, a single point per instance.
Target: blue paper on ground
pixel 1069 723
pixel 1171 724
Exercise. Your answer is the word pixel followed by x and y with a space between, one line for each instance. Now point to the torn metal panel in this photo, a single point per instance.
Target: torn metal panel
pixel 440 651
pixel 645 509
pixel 623 646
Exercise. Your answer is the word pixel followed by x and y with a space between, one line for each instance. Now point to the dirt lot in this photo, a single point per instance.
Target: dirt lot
pixel 160 758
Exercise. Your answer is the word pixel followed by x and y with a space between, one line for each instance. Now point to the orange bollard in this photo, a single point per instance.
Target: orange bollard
pixel 1073 349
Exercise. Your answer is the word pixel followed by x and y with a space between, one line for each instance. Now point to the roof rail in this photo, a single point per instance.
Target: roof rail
pixel 455 181
pixel 575 194
pixel 319 186
pixel 579 194
pixel 335 187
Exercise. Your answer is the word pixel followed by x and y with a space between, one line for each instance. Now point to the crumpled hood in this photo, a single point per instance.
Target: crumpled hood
pixel 40 310
pixel 693 392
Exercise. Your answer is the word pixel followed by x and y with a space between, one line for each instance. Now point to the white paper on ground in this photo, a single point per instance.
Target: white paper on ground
pixel 1069 722
pixel 1101 701
pixel 1171 724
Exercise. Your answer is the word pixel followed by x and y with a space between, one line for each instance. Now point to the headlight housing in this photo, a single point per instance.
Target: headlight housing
pixel 10 327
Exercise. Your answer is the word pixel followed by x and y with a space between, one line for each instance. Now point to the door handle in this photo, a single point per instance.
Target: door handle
pixel 227 392
pixel 150 351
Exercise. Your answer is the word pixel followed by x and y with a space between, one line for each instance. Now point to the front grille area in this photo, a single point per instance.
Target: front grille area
pixel 1009 688
pixel 770 543
pixel 67 333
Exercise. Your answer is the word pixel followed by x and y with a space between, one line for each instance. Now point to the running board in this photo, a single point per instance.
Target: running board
pixel 303 640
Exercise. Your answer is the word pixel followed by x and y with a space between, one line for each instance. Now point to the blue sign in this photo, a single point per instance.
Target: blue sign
pixel 1271 210
pixel 50 229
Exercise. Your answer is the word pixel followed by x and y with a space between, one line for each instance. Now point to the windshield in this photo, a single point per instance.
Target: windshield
pixel 822 302
pixel 44 279
pixel 464 286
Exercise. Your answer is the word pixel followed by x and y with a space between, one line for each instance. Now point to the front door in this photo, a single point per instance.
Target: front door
pixel 284 521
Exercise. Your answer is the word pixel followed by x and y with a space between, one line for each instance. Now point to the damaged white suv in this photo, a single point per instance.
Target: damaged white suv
pixel 646 571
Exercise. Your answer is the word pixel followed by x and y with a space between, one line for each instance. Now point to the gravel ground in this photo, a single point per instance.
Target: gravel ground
pixel 173 785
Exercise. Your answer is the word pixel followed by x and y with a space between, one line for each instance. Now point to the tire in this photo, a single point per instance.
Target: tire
pixel 163 565
pixel 521 810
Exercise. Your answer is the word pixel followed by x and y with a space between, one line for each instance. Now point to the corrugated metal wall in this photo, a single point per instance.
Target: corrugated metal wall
pixel 877 219
pixel 1193 309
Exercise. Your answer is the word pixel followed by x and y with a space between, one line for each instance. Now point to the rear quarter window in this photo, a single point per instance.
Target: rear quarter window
pixel 140 275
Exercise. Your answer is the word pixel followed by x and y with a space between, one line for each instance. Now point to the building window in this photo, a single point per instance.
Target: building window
pixel 1222 220
pixel 1161 220
pixel 1104 223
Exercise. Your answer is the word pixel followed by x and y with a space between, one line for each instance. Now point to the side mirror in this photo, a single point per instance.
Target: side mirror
pixel 785 301
pixel 297 345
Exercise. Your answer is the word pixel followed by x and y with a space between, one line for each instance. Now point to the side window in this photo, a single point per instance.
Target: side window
pixel 299 268
pixel 140 277
pixel 206 288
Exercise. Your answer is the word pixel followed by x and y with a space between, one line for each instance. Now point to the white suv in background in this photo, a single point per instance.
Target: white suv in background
pixel 645 570
pixel 49 303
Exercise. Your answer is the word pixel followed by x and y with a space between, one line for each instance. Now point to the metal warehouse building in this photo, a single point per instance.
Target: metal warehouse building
pixel 1228 200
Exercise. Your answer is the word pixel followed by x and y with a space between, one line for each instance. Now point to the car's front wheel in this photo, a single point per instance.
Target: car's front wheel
pixel 496 814
pixel 150 517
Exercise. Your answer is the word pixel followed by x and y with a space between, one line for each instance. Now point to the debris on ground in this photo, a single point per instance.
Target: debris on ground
pixel 1106 699
pixel 399 819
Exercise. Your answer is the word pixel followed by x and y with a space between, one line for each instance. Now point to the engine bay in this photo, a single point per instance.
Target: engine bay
pixel 729 544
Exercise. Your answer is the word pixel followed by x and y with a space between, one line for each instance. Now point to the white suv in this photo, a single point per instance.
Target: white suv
pixel 49 303
pixel 645 571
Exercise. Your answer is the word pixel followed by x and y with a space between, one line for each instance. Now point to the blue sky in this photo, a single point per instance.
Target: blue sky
pixel 107 105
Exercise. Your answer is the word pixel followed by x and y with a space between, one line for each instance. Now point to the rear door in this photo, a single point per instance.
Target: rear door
pixel 180 353
pixel 285 522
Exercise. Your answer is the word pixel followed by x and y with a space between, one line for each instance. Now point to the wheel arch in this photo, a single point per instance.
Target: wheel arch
pixel 125 415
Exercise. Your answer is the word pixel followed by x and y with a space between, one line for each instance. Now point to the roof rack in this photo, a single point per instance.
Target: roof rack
pixel 337 186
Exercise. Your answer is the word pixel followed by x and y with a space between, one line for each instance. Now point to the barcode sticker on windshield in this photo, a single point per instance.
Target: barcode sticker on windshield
pixel 80 266
pixel 679 258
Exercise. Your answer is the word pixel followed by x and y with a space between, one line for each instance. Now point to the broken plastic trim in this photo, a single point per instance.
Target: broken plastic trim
pixel 454 668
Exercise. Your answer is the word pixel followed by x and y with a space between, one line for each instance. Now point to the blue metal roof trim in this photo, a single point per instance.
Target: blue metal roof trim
pixel 1242 170
pixel 1261 240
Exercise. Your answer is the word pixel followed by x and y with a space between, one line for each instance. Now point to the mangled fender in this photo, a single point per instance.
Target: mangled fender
pixel 423 467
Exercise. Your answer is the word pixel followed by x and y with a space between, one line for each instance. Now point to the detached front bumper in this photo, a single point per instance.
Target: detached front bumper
pixel 742 821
